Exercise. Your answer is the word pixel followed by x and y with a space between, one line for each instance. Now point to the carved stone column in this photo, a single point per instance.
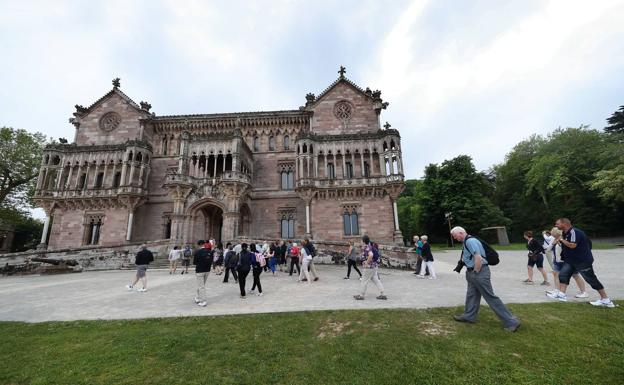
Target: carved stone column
pixel 48 207
pixel 131 202
pixel 307 196
pixel 394 191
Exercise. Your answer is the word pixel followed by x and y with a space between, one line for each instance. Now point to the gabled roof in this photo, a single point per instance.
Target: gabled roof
pixel 374 96
pixel 82 111
pixel 338 81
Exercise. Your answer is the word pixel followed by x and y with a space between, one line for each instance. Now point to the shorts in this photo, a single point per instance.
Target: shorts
pixel 539 261
pixel 559 264
pixel 186 262
pixel 141 270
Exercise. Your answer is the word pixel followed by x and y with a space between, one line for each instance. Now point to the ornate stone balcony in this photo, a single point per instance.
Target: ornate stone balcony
pixel 172 178
pixel 353 182
pixel 91 193
pixel 235 176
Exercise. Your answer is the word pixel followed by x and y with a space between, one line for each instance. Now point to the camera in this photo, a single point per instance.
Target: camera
pixel 460 266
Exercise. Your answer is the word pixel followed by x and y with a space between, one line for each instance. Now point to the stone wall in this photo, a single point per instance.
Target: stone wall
pixel 91 133
pixel 332 252
pixel 364 117
pixel 374 217
pixel 90 258
pixel 122 256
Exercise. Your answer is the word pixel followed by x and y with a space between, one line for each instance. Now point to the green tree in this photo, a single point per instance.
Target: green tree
pixel 27 230
pixel 545 178
pixel 19 165
pixel 410 210
pixel 456 187
pixel 616 121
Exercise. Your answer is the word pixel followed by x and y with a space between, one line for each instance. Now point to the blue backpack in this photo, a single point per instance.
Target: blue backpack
pixel 376 256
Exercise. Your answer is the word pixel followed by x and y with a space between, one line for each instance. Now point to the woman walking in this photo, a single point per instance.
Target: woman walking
pixel 218 259
pixel 536 257
pixel 371 258
pixel 352 257
pixel 257 264
pixel 174 257
pixel 244 266
pixel 427 259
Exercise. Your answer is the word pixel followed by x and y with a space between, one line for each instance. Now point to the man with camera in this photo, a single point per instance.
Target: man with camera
pixel 479 283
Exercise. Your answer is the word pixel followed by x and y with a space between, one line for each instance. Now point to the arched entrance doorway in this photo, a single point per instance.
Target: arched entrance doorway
pixel 207 223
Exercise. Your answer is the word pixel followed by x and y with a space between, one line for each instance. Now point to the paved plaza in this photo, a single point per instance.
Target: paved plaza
pixel 102 294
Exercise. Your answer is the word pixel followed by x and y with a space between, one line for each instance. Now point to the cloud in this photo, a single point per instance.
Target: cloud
pixel 481 98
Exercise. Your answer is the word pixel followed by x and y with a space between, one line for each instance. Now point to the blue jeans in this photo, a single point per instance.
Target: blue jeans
pixel 585 269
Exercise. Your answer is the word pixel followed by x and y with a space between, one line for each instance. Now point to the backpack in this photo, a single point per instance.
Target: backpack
pixel 260 259
pixel 311 250
pixel 376 256
pixel 491 255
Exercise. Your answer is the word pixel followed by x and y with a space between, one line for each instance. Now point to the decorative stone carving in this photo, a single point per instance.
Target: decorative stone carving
pixel 116 83
pixel 343 110
pixel 146 106
pixel 110 121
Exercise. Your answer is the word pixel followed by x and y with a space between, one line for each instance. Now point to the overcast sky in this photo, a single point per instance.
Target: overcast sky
pixel 472 77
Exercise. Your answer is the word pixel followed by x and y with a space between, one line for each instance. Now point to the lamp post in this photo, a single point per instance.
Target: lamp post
pixel 448 217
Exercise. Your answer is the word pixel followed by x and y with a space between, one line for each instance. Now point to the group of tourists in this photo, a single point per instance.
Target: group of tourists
pixel 567 250
pixel 424 257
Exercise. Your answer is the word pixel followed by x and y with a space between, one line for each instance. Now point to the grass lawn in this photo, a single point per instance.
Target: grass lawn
pixel 558 343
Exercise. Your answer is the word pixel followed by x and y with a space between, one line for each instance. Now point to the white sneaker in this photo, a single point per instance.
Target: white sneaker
pixel 420 276
pixel 196 299
pixel 603 302
pixel 581 294
pixel 554 291
pixel 559 296
pixel 129 287
pixel 251 291
pixel 142 290
pixel 202 304
pixel 260 294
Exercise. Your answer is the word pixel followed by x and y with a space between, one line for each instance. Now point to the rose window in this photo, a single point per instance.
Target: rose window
pixel 343 111
pixel 110 121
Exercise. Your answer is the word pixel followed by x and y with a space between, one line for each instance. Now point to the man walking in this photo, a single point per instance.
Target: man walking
pixel 203 262
pixel 479 283
pixel 231 261
pixel 143 259
pixel 577 257
pixel 311 250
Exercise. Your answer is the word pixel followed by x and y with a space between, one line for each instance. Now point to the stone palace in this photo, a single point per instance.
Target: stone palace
pixel 328 171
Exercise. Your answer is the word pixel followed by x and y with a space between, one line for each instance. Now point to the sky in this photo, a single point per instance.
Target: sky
pixel 462 77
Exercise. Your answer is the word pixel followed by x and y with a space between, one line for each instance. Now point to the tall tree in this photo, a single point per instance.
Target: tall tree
pixel 19 165
pixel 410 210
pixel 616 121
pixel 545 178
pixel 456 187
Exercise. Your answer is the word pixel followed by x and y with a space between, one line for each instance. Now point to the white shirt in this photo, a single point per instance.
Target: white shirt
pixel 175 254
pixel 305 254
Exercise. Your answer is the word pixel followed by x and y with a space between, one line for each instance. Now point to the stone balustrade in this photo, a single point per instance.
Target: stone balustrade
pixel 91 193
pixel 353 182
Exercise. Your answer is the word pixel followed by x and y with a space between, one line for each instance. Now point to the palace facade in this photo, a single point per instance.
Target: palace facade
pixel 328 171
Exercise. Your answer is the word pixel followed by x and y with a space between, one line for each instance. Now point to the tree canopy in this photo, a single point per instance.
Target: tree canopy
pixel 575 172
pixel 19 165
pixel 616 121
